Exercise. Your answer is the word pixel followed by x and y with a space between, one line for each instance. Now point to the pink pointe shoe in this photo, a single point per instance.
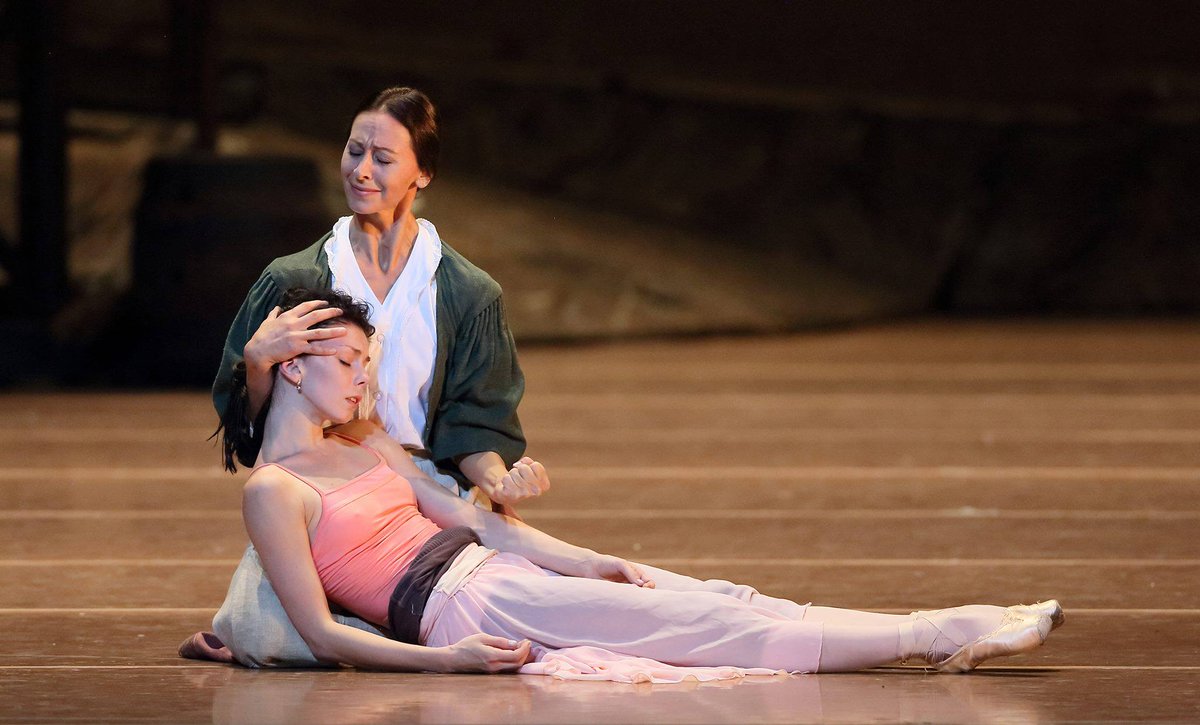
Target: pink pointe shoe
pixel 1023 628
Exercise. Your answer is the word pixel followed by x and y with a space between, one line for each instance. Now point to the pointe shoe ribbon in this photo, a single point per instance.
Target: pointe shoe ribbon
pixel 947 629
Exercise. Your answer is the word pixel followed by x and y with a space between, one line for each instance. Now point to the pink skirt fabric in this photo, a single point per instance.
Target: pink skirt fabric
pixel 586 629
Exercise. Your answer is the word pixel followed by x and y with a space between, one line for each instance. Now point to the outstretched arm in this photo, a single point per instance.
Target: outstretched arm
pixel 275 519
pixel 496 531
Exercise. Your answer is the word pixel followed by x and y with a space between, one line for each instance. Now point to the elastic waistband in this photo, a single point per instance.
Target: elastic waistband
pixel 412 591
pixel 461 571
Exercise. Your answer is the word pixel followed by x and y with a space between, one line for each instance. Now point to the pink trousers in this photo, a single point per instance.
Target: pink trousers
pixel 599 630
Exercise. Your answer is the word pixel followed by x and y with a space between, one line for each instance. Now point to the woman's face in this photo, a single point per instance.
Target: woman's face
pixel 379 168
pixel 335 384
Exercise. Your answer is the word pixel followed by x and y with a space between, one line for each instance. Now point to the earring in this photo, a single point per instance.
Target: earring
pixel 298 385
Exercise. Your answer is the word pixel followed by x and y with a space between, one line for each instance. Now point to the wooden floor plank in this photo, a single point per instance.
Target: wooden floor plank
pixel 1030 453
pixel 598 490
pixel 867 538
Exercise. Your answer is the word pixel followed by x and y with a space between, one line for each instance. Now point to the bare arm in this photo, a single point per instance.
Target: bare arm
pixel 496 531
pixel 275 519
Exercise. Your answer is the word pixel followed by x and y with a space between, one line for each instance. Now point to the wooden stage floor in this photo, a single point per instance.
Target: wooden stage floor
pixel 899 467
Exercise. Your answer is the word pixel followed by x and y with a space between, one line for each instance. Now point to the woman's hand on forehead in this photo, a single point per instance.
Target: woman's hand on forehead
pixel 285 335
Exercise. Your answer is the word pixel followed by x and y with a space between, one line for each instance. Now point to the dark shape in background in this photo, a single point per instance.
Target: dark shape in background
pixel 626 168
pixel 42 128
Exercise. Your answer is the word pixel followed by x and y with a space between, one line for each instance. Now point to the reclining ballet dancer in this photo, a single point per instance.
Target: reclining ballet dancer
pixel 342 514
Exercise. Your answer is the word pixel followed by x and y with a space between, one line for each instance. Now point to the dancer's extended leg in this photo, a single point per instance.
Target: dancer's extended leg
pixel 853 640
pixel 850 647
pixel 672 581
pixel 512 598
pixel 854 617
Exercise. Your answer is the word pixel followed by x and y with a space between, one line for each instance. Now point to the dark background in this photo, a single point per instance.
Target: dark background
pixel 622 168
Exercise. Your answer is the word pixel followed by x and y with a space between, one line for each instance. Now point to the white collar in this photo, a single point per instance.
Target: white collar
pixel 417 275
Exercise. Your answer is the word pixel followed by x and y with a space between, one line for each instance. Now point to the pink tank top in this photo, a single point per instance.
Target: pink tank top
pixel 368 535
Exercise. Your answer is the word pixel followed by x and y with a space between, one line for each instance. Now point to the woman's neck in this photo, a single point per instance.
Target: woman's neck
pixel 382 246
pixel 291 427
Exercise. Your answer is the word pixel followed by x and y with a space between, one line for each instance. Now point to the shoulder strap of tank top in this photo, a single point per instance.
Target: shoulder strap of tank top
pixel 292 473
pixel 360 444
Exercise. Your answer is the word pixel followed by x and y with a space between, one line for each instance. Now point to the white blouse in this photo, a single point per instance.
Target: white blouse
pixel 404 347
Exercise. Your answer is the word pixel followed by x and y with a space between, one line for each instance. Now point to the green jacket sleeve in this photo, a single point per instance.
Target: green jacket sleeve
pixel 484 383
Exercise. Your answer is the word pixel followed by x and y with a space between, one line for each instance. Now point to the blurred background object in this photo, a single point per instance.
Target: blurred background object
pixel 622 168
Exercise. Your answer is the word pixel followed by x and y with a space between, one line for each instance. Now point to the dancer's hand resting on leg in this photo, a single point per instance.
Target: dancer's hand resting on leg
pixel 487 653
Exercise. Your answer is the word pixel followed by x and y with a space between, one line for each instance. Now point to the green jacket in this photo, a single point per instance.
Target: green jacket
pixel 477 382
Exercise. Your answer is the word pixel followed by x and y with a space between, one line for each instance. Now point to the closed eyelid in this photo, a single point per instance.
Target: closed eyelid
pixel 351 351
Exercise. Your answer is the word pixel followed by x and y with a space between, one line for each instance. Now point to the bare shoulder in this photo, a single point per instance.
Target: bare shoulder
pixel 273 504
pixel 269 483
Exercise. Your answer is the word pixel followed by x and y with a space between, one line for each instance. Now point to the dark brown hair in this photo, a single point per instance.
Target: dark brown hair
pixel 413 110
pixel 353 311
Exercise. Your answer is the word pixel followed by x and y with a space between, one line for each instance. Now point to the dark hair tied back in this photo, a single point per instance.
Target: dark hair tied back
pixel 241 439
pixel 413 110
